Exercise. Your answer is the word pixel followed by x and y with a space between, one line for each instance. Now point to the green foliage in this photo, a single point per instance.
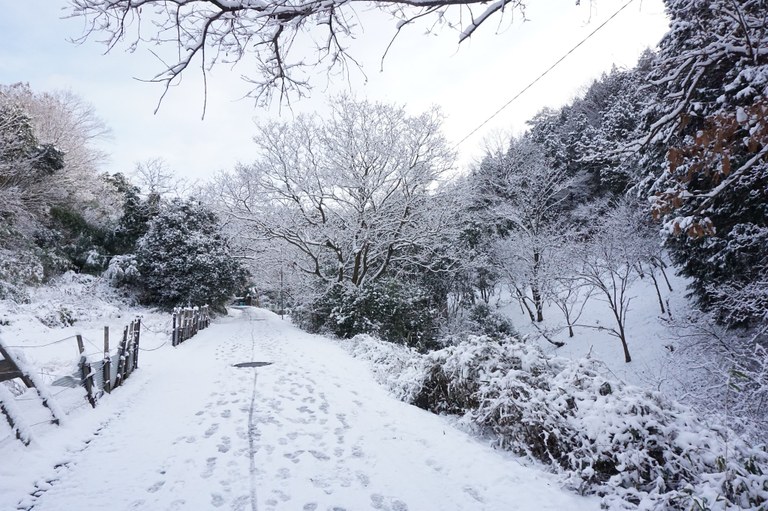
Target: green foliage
pixel 71 237
pixel 399 313
pixel 184 260
pixel 136 214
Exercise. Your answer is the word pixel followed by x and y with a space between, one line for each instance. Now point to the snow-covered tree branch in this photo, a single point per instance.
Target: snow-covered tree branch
pixel 286 38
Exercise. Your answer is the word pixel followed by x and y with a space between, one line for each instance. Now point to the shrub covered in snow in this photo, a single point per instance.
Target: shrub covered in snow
pixel 123 270
pixel 400 368
pixel 400 313
pixel 635 448
pixel 184 259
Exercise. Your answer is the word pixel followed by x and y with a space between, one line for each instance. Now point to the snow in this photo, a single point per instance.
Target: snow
pixel 313 430
pixel 648 334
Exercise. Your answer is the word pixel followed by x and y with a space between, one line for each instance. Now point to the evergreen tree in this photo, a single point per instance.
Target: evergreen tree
pixel 707 151
pixel 184 260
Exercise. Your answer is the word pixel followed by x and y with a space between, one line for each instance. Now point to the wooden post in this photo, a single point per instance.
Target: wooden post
pixel 174 332
pixel 121 359
pixel 86 376
pixel 137 334
pixel 107 367
pixel 128 365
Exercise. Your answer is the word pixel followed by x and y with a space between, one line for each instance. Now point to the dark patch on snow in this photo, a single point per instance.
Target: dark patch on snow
pixel 253 364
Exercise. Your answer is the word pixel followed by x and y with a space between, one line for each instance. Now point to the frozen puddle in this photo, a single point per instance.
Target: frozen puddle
pixel 314 432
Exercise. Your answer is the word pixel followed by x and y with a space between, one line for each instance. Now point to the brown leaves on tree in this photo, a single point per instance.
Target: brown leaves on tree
pixel 698 169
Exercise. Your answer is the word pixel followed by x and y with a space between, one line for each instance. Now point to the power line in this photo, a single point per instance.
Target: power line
pixel 542 75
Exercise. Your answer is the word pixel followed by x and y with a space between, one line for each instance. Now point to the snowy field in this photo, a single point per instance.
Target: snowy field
pixel 313 430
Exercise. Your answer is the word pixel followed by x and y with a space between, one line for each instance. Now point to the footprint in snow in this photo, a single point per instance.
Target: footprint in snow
pixel 364 479
pixel 211 430
pixel 155 487
pixel 387 504
pixel 293 456
pixel 225 444
pixel 217 500
pixel 320 455
pixel 240 503
pixel 210 466
pixel 226 414
pixel 284 497
pixel 473 493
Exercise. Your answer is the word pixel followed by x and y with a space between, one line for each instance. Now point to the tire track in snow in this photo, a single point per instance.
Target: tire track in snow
pixel 252 431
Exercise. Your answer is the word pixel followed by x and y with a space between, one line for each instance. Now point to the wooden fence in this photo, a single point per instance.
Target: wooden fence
pixel 11 369
pixel 187 321
pixel 112 370
pixel 97 377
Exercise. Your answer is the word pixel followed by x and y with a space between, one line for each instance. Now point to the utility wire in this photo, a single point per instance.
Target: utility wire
pixel 542 75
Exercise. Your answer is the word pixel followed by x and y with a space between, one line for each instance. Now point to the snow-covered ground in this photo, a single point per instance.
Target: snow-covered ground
pixel 649 336
pixel 313 430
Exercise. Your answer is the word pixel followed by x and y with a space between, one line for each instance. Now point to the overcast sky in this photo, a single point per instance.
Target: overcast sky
pixel 468 82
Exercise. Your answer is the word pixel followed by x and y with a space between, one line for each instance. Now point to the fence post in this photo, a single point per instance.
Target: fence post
pixel 121 359
pixel 173 331
pixel 107 367
pixel 128 366
pixel 86 377
pixel 137 334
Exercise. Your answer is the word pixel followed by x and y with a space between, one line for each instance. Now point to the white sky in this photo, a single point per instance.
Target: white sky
pixel 469 82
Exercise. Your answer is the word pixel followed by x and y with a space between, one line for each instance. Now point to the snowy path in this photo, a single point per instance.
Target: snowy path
pixel 311 431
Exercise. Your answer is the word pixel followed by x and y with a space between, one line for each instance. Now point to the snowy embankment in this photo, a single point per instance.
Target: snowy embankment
pixel 636 448
pixel 313 430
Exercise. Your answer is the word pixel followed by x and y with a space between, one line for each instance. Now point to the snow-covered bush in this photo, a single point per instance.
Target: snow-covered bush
pixel 184 259
pixel 399 368
pixel 636 449
pixel 400 313
pixel 122 270
pixel 17 270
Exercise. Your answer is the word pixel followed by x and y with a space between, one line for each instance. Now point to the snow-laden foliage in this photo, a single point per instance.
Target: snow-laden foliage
pixel 635 448
pixel 399 313
pixel 707 150
pixel 524 190
pixel 348 194
pixel 399 368
pixel 183 259
pixel 123 270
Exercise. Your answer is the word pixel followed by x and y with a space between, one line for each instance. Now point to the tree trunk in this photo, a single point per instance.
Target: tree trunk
pixel 523 303
pixel 622 336
pixel 658 293
pixel 535 291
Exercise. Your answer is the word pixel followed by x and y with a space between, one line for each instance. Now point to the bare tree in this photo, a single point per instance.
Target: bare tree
pixel 287 38
pixel 67 128
pixel 348 193
pixel 525 190
pixel 156 179
pixel 608 264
